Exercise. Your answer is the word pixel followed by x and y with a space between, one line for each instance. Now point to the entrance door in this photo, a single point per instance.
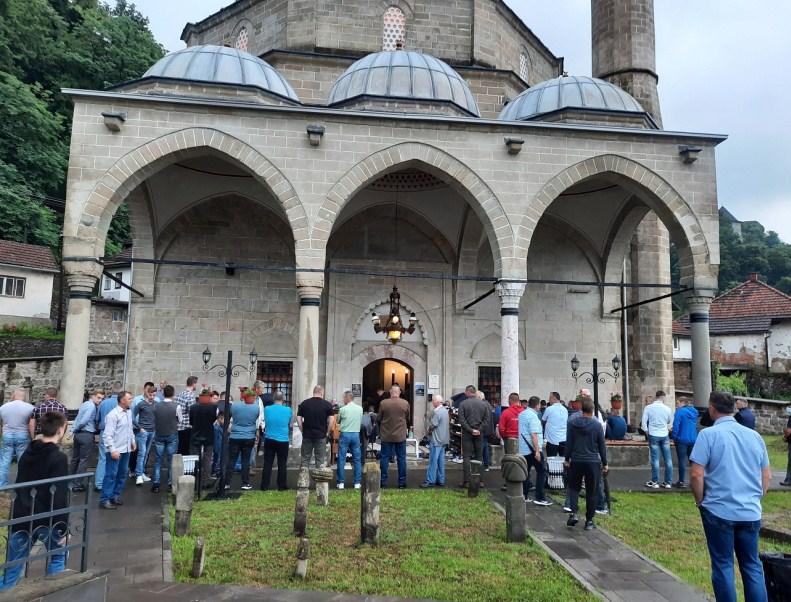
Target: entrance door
pixel 381 375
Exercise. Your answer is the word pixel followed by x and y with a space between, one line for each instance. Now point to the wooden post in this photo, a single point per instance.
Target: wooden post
pixel 176 472
pixel 303 555
pixel 369 503
pixel 198 558
pixel 301 505
pixel 185 497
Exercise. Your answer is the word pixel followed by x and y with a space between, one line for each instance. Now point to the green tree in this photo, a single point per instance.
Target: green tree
pixel 784 284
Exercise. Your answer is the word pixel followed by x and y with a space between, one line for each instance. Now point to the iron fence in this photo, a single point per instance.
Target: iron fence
pixel 45 512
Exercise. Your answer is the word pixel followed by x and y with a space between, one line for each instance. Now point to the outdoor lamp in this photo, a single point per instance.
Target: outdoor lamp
pixel 412 319
pixel 375 319
pixel 254 358
pixel 575 363
pixel 206 357
pixel 616 363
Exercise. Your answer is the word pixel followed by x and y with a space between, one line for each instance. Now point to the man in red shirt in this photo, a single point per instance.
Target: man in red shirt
pixel 509 419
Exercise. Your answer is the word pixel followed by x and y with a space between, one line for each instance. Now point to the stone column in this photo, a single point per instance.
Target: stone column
pixel 307 373
pixel 510 295
pixel 701 348
pixel 78 330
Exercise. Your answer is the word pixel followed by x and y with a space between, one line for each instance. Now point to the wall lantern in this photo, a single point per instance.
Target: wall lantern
pixel 689 154
pixel 114 121
pixel 315 133
pixel 514 145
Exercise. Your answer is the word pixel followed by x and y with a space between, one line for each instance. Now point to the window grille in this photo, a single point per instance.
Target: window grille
pixel 393 29
pixel 489 381
pixel 242 40
pixel 277 376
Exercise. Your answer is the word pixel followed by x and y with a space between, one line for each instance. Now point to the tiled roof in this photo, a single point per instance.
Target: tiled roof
pixel 121 258
pixel 27 256
pixel 750 307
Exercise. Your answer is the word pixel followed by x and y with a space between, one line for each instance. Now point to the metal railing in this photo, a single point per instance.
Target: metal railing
pixel 41 516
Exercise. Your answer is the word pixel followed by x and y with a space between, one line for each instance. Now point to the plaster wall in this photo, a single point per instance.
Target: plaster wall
pixel 682 348
pixel 780 348
pixel 38 295
pixel 739 350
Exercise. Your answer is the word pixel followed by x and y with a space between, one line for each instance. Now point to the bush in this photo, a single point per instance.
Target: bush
pixel 735 383
pixel 30 331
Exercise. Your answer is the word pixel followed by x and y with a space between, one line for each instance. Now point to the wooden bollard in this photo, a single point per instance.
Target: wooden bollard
pixel 303 555
pixel 176 472
pixel 198 558
pixel 369 503
pixel 184 498
pixel 301 505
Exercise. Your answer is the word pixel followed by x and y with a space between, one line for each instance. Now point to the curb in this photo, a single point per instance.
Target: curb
pixel 167 544
pixel 776 534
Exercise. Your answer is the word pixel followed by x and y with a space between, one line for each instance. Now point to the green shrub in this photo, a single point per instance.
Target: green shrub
pixel 30 331
pixel 735 383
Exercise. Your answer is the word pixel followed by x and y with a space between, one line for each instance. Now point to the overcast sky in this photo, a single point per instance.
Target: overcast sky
pixel 722 69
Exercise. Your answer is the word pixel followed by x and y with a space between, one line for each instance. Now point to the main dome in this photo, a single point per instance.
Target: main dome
pixel 404 75
pixel 569 92
pixel 221 65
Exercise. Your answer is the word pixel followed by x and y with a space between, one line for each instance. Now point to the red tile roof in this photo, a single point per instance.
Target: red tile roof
pixel 750 307
pixel 27 256
pixel 121 258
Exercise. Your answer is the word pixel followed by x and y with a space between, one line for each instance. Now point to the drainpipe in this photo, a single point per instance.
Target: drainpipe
pixel 128 322
pixel 767 335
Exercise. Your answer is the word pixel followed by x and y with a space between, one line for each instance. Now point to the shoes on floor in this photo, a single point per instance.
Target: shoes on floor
pixel 542 502
pixel 340 486
pixel 107 506
pixel 139 481
pixel 652 484
pixel 426 485
pixel 440 485
pixel 603 512
pixel 155 488
pixel 572 520
pixel 566 509
pixel 590 525
pixel 247 487
pixel 402 486
pixel 680 485
pixel 487 469
pixel 227 487
pixel 118 501
pixel 667 486
pixel 145 479
pixel 357 485
pixel 785 483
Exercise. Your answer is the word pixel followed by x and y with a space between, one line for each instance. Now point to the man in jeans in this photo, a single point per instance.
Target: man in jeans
pixel 393 424
pixel 245 420
pixel 15 416
pixel 185 400
pixel 531 445
pixel 166 441
pixel 107 406
pixel 657 423
pixel 730 474
pixel 439 433
pixel 350 418
pixel 685 432
pixel 315 420
pixel 85 429
pixel 143 420
pixel 119 442
pixel 474 417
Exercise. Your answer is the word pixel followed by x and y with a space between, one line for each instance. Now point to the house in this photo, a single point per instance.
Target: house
pixel 120 267
pixel 728 217
pixel 27 273
pixel 749 330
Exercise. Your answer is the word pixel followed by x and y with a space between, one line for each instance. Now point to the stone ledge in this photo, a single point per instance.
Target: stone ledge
pixel 90 586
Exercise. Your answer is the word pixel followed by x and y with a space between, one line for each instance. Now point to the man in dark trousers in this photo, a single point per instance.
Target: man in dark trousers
pixel 586 458
pixel 202 417
pixel 42 460
pixel 474 417
pixel 393 425
pixel 315 420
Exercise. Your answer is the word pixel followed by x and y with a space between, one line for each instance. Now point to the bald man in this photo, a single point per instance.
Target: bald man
pixel 15 416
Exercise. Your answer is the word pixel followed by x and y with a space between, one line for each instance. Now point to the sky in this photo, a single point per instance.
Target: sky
pixel 722 69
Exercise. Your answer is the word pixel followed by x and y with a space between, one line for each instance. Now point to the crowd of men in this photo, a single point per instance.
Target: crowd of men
pixel 729 462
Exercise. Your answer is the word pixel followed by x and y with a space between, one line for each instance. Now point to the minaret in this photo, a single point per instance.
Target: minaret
pixel 622 34
pixel 623 40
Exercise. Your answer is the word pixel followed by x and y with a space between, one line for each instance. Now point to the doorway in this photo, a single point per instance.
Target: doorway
pixel 384 373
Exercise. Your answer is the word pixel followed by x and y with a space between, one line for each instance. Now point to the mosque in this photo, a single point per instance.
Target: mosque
pixel 369 192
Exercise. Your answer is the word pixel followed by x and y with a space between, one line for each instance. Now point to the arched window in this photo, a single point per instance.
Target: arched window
pixel 242 39
pixel 524 65
pixel 393 29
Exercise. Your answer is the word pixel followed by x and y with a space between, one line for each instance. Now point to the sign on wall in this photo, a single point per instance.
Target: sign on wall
pixel 357 390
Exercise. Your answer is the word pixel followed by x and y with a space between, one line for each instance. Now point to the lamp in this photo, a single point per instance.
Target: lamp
pixel 253 358
pixel 575 363
pixel 616 363
pixel 206 357
pixel 393 324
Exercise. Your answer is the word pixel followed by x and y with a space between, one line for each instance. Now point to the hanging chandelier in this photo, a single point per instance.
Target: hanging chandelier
pixel 393 324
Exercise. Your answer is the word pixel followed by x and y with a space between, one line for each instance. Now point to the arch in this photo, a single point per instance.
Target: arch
pixel 405 7
pixel 488 346
pixel 139 164
pixel 443 166
pixel 236 37
pixel 393 28
pixel 651 189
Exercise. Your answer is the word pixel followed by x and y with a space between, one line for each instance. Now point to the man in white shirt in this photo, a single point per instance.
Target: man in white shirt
pixel 657 423
pixel 119 441
pixel 555 419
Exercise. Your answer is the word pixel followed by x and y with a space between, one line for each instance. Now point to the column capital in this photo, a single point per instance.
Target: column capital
pixel 81 285
pixel 510 295
pixel 699 302
pixel 309 294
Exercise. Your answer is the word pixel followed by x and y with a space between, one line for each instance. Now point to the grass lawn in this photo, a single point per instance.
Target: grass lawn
pixel 434 544
pixel 667 529
pixel 778 451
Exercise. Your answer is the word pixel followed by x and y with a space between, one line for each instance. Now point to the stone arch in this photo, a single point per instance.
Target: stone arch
pixel 492 339
pixel 578 239
pixel 141 223
pixel 135 167
pixel 651 189
pixel 406 7
pixel 286 333
pixel 443 166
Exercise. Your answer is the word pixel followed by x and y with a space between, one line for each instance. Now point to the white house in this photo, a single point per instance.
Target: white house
pixel 26 277
pixel 120 267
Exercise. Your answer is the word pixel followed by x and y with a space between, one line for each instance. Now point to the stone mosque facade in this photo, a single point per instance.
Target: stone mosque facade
pixel 301 157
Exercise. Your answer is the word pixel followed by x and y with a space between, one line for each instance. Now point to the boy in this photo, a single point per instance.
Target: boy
pixel 41 460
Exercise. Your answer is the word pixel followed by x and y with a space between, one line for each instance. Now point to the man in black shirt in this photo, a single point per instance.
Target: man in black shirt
pixel 315 420
pixel 202 417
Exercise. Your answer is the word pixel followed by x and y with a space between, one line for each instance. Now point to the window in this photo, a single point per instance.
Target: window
pixel 524 65
pixel 120 277
pixel 11 286
pixel 242 40
pixel 106 283
pixel 276 376
pixel 393 29
pixel 118 316
pixel 489 380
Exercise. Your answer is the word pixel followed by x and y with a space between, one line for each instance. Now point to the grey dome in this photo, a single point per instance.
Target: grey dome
pixel 404 74
pixel 569 92
pixel 222 65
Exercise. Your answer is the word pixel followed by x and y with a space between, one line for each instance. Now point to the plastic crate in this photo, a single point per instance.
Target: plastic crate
pixel 777 574
pixel 555 472
pixel 190 464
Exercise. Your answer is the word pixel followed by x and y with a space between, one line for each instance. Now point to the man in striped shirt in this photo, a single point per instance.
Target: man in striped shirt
pixel 184 401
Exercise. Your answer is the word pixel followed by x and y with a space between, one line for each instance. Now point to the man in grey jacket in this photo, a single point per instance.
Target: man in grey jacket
pixel 474 417
pixel 439 431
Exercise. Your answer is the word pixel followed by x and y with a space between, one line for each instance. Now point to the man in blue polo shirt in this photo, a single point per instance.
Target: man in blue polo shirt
pixel 730 474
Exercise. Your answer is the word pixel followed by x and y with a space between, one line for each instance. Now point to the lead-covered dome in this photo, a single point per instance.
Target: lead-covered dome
pixel 223 66
pixel 404 75
pixel 569 92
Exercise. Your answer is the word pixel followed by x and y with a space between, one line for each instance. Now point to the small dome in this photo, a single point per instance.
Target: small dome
pixel 569 92
pixel 221 65
pixel 402 74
